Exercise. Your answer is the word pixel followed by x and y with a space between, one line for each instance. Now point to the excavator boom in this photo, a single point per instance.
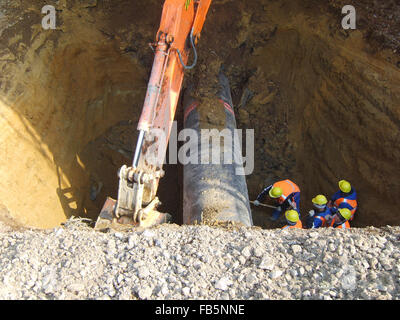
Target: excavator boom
pixel 180 28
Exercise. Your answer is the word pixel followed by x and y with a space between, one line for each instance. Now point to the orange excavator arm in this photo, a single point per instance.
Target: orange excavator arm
pixel 180 28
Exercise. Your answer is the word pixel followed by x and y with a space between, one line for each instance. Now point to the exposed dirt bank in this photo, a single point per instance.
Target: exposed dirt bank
pixel 323 101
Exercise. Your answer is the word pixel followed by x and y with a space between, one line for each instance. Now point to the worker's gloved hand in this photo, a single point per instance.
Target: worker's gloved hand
pixel 256 203
pixel 311 213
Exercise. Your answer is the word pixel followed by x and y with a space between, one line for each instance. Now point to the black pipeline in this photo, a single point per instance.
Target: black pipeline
pixel 214 192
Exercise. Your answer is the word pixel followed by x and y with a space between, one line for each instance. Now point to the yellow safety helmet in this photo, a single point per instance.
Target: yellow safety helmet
pixel 320 200
pixel 292 215
pixel 345 186
pixel 345 213
pixel 275 192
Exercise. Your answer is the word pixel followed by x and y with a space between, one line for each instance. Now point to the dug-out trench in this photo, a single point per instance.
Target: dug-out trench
pixel 323 102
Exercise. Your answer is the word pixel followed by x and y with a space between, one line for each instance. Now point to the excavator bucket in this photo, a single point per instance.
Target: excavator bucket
pixel 107 219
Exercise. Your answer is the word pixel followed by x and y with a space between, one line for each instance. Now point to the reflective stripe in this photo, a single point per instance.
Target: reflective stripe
pixel 352 203
pixel 294 189
pixel 342 226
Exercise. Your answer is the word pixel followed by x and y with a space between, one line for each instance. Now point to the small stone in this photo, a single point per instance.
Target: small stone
pixel 225 296
pixel 293 272
pixel 158 243
pixel 266 264
pixel 373 262
pixel 296 249
pixel 148 234
pixel 258 252
pixel 120 278
pixel 313 234
pixel 186 291
pixel 166 255
pixel 275 274
pixel 131 242
pixel 76 287
pixel 223 283
pixel 164 290
pixel 124 294
pixel 143 272
pixel 349 282
pixel 118 235
pixel 251 279
pixel 387 266
pixel 246 252
pixel 306 293
pixel 145 293
pixel 242 260
pixel 365 264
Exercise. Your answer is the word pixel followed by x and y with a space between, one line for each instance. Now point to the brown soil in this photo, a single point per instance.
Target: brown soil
pixel 323 101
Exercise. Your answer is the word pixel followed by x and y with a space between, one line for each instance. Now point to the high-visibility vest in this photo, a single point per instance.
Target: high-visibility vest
pixel 345 225
pixel 298 225
pixel 352 203
pixel 322 219
pixel 288 187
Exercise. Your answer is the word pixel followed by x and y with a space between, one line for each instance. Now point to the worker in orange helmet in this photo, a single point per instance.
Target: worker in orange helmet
pixel 346 197
pixel 293 220
pixel 341 219
pixel 286 193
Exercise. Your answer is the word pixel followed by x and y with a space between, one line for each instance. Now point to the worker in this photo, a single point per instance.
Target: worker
pixel 346 197
pixel 293 220
pixel 285 192
pixel 318 216
pixel 341 219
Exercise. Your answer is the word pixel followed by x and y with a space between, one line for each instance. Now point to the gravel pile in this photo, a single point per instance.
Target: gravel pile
pixel 199 262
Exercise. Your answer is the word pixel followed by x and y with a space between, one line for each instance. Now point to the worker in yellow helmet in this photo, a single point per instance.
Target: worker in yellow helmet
pixel 346 197
pixel 293 220
pixel 321 212
pixel 341 219
pixel 285 192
